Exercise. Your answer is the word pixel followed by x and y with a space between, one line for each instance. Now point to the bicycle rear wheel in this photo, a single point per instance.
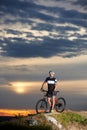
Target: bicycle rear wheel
pixel 60 104
pixel 41 106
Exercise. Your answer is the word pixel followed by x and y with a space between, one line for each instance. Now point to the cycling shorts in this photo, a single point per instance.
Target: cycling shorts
pixel 50 94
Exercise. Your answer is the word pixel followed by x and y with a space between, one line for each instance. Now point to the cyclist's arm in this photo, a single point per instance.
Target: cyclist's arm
pixel 45 81
pixel 42 85
pixel 56 85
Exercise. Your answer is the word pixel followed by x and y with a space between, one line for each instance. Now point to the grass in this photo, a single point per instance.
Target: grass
pixel 22 123
pixel 70 117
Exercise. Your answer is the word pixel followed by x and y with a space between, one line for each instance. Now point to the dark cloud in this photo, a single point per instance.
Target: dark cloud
pixel 49 47
pixel 58 44
pixel 82 3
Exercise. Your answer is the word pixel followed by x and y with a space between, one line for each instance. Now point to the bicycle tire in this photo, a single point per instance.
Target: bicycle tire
pixel 60 104
pixel 41 106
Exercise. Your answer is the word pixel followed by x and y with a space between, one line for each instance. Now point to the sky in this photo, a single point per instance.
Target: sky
pixel 37 36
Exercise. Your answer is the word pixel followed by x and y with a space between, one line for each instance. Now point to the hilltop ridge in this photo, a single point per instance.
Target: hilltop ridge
pixel 67 120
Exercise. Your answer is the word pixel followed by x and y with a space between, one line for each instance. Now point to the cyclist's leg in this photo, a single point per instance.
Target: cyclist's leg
pixel 49 101
pixel 49 98
pixel 53 102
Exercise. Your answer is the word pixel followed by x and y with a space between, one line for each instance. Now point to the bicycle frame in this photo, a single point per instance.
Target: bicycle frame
pixel 42 104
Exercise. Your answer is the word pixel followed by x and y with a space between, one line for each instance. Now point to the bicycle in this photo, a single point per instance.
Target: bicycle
pixel 42 104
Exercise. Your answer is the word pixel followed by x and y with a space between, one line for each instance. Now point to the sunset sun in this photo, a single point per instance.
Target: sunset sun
pixel 20 87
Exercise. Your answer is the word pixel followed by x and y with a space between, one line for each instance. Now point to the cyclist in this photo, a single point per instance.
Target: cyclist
pixel 51 81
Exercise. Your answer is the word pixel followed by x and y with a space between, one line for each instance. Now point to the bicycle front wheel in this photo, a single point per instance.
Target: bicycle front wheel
pixel 41 106
pixel 60 104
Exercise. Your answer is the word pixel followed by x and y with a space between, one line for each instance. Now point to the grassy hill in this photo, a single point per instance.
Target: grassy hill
pixel 70 120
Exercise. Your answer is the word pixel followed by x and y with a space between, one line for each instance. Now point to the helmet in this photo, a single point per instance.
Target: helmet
pixel 51 72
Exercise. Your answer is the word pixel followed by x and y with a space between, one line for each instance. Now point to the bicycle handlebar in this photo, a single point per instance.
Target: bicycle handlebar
pixel 43 90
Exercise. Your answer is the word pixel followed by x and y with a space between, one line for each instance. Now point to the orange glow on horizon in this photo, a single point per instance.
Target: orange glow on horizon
pixel 15 112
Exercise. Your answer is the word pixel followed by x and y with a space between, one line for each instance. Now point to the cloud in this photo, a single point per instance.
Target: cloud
pixel 66 4
pixel 35 69
pixel 42 28
pixel 81 3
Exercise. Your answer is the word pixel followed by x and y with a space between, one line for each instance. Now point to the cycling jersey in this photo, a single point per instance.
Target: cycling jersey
pixel 51 81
